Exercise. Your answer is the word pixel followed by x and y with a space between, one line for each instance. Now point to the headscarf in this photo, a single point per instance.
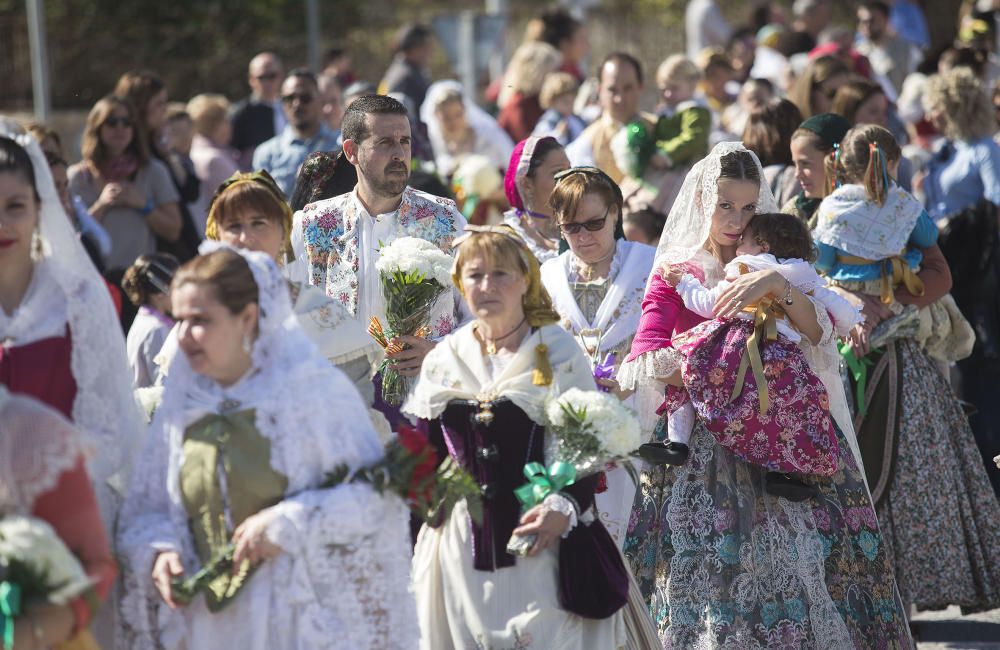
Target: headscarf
pixel 478 120
pixel 830 127
pixel 104 409
pixel 517 171
pixel 263 179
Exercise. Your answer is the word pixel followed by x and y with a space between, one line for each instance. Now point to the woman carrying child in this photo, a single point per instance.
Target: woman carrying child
pixel 746 376
pixel 939 517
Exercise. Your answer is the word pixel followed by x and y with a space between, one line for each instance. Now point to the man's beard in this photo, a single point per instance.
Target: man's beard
pixel 385 185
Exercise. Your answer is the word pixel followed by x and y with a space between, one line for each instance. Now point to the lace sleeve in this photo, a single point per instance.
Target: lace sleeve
pixel 146 530
pixel 649 368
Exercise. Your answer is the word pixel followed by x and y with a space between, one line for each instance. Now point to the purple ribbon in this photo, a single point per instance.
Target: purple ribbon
pixel 605 370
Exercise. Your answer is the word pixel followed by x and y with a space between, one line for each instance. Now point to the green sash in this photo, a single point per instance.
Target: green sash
pixel 226 471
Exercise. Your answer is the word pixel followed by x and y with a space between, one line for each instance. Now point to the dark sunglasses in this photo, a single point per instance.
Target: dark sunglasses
pixel 304 98
pixel 118 121
pixel 590 226
pixel 267 76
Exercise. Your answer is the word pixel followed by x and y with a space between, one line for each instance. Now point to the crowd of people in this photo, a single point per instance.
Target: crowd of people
pixel 787 269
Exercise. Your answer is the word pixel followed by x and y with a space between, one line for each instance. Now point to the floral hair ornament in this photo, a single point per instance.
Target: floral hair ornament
pixel 262 178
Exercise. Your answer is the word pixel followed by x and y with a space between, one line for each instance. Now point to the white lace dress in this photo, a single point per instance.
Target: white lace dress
pixel 341 579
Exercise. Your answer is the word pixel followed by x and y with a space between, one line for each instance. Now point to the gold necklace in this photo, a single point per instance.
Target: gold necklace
pixel 491 345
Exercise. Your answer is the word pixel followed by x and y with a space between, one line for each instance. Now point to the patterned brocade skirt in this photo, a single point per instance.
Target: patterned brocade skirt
pixel 723 563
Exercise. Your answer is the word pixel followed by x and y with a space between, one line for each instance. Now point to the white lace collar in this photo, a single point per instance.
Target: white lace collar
pixel 41 314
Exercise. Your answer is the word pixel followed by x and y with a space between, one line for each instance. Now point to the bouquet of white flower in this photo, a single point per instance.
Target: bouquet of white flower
pixel 413 273
pixel 35 566
pixel 149 399
pixel 586 432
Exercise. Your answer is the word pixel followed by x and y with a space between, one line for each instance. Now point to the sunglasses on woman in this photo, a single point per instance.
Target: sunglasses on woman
pixel 590 226
pixel 118 121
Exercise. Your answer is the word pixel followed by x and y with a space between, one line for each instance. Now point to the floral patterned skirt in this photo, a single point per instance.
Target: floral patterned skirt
pixel 723 563
pixel 795 434
pixel 940 518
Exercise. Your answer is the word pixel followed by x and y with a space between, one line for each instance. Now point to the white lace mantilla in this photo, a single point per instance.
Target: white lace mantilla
pixel 341 579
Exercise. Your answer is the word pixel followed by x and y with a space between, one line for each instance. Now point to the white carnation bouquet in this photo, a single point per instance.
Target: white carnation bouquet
pixel 413 273
pixel 587 431
pixel 149 399
pixel 35 567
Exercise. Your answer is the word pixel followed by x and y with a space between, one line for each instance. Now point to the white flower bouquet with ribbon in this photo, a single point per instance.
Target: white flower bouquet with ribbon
pixel 587 431
pixel 35 567
pixel 413 273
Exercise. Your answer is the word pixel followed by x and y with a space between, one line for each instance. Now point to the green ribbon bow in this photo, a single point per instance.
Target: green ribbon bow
pixel 859 373
pixel 541 482
pixel 10 606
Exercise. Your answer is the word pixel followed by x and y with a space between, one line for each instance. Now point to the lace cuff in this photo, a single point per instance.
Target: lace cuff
pixel 649 368
pixel 561 504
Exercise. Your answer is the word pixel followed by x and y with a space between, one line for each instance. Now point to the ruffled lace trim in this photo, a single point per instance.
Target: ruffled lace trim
pixel 562 505
pixel 649 367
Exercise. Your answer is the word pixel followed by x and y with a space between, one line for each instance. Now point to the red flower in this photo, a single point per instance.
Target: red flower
pixel 418 446
pixel 602 483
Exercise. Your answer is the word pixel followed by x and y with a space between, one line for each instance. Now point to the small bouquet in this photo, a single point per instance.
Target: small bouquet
pixel 409 470
pixel 586 432
pixel 35 567
pixel 149 399
pixel 413 273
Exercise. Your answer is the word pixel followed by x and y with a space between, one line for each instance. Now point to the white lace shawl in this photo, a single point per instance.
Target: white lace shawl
pixel 345 549
pixel 37 444
pixel 104 409
pixel 457 369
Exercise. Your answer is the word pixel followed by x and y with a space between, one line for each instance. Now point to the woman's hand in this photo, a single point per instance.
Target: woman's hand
pixel 548 524
pixel 251 540
pixel 673 379
pixel 860 339
pixel 672 274
pixel 131 196
pixel 166 567
pixel 614 388
pixel 874 309
pixel 746 290
pixel 407 362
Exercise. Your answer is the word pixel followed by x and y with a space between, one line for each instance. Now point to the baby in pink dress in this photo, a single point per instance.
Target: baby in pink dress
pixel 746 377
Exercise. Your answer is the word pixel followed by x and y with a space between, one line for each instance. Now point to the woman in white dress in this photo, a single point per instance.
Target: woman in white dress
pixel 597 288
pixel 252 420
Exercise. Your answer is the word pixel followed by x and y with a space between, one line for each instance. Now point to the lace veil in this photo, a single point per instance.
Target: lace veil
pixel 37 444
pixel 687 226
pixel 104 409
pixel 479 120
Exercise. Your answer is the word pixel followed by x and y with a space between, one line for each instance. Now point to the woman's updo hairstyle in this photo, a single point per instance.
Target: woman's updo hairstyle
pixel 148 276
pixel 226 274
pixel 739 166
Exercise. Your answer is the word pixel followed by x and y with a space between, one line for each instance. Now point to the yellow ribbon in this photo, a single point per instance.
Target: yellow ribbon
pixel 895 271
pixel 765 327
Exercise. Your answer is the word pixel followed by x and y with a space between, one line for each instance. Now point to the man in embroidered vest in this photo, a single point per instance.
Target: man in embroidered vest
pixel 336 241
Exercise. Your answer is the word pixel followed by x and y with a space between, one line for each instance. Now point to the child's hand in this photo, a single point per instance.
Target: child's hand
pixel 672 274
